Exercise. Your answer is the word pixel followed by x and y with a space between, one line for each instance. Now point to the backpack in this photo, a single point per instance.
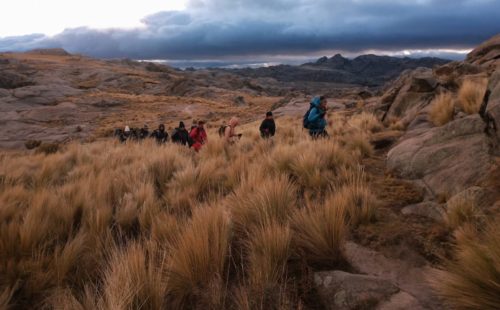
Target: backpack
pixel 222 130
pixel 305 119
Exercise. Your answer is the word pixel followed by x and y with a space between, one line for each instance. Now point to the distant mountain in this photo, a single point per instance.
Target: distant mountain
pixel 365 70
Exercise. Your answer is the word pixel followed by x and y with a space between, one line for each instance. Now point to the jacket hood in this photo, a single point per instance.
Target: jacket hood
pixel 315 101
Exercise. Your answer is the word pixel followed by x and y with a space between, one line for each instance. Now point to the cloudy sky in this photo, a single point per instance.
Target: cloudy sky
pixel 271 30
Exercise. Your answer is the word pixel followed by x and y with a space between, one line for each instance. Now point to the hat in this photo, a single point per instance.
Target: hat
pixel 127 128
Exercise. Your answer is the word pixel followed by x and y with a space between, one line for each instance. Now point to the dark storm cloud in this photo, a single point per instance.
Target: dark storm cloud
pixel 239 28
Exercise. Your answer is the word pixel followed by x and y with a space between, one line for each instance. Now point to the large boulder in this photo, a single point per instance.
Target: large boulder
pixel 411 93
pixel 487 53
pixel 448 159
pixel 342 290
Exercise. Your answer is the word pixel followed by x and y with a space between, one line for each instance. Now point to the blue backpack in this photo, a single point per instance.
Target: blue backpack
pixel 305 119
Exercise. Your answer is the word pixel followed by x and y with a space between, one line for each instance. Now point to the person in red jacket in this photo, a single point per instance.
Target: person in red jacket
pixel 198 135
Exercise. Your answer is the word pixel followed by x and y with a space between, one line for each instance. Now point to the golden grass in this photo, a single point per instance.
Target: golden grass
pixel 441 111
pixel 355 197
pixel 462 211
pixel 472 279
pixel 320 233
pixel 470 95
pixel 269 249
pixel 105 225
pixel 365 122
pixel 199 257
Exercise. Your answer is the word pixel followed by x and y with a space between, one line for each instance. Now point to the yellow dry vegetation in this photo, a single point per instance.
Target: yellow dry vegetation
pixel 125 226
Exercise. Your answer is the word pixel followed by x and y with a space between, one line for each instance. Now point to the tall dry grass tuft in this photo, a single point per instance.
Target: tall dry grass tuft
pixel 356 198
pixel 269 249
pixel 462 211
pixel 358 142
pixel 472 279
pixel 132 280
pixel 365 122
pixel 198 259
pixel 470 95
pixel 258 203
pixel 319 233
pixel 441 111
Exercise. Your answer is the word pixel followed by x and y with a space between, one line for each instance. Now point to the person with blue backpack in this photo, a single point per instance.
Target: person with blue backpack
pixel 314 119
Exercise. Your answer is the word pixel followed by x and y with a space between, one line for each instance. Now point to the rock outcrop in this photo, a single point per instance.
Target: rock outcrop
pixel 459 154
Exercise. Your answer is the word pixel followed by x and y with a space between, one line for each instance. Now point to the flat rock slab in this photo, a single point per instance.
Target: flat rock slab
pixel 448 159
pixel 427 209
pixel 408 277
pixel 342 290
pixel 401 301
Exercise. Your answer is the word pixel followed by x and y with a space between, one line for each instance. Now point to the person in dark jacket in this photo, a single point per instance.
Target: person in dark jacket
pixel 160 134
pixel 144 133
pixel 316 119
pixel 267 127
pixel 181 135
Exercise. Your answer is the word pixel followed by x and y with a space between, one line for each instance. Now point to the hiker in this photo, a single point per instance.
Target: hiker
pixel 314 119
pixel 144 132
pixel 267 127
pixel 198 135
pixel 181 135
pixel 124 135
pixel 230 135
pixel 160 134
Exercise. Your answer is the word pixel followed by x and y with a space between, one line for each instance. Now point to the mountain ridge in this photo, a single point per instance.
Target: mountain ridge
pixel 365 70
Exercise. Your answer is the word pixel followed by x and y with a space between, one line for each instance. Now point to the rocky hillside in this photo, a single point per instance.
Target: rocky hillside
pixel 51 95
pixel 365 70
pixel 461 152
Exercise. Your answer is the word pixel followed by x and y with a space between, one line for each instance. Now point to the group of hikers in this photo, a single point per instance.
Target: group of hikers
pixel 314 121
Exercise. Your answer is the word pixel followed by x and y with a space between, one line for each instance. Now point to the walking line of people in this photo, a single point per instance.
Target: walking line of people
pixel 314 121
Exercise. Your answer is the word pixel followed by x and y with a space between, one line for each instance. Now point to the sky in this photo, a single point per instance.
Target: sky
pixel 249 30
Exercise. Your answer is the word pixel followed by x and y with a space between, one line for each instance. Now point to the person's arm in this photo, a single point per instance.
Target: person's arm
pixel 227 133
pixel 272 128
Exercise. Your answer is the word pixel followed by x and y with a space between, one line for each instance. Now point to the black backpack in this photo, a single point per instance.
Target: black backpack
pixel 305 121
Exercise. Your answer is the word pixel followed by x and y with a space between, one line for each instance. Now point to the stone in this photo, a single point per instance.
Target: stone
pixel 409 277
pixel 475 194
pixel 448 159
pixel 401 301
pixel 342 290
pixel 427 209
pixel 486 52
pixel 44 94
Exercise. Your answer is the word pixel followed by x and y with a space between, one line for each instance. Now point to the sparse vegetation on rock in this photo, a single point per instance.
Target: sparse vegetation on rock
pixel 442 108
